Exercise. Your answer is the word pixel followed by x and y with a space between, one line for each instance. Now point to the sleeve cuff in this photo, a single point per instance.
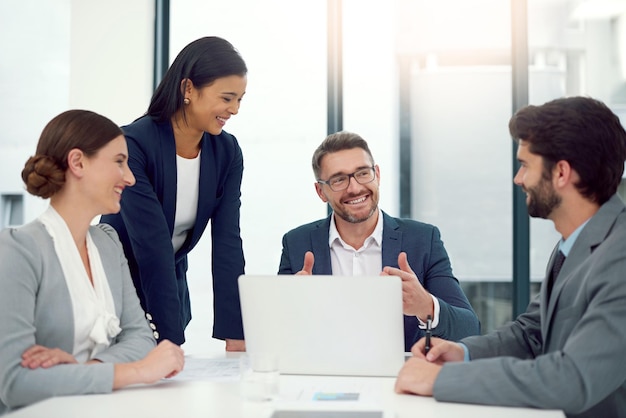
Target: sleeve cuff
pixel 466 356
pixel 435 322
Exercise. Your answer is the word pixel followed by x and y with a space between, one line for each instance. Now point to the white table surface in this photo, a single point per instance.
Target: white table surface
pixel 222 399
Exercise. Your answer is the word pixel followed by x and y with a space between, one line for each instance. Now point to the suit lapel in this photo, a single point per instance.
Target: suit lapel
pixel 392 241
pixel 321 249
pixel 169 179
pixel 579 252
pixel 547 306
pixel 592 235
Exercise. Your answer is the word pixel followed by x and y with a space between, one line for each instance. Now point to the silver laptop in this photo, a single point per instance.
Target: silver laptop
pixel 325 325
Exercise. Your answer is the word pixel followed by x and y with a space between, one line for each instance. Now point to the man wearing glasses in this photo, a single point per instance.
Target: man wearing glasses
pixel 359 239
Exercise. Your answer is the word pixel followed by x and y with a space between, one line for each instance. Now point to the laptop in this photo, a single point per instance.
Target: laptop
pixel 325 325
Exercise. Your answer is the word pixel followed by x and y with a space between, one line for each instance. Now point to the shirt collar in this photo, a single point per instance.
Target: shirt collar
pixel 377 234
pixel 566 245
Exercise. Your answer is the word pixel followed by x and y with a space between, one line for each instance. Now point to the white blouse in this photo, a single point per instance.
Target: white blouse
pixel 187 189
pixel 95 322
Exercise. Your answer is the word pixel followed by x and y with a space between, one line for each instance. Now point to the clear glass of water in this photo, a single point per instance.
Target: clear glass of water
pixel 259 376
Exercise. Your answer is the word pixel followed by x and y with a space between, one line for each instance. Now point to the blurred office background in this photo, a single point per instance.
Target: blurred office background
pixel 430 84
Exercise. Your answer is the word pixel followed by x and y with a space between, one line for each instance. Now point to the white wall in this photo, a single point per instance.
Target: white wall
pixel 67 54
pixel 111 59
pixel 34 52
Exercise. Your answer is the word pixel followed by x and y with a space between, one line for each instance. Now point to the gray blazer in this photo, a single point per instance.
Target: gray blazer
pixel 567 353
pixel 35 308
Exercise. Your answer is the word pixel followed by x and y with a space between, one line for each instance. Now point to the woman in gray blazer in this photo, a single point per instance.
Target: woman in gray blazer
pixel 71 321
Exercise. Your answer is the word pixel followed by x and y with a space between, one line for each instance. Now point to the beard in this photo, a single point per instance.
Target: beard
pixel 353 219
pixel 542 200
pixel 345 213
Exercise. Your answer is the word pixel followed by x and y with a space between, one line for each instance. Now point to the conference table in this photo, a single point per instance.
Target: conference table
pixel 210 387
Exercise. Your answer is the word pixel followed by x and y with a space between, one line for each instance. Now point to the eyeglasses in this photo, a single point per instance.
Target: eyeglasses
pixel 342 181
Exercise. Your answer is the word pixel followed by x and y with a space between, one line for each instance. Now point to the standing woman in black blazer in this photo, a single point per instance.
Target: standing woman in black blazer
pixel 188 171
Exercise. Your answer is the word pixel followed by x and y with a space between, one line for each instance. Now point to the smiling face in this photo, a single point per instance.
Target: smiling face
pixel 211 106
pixel 358 202
pixel 106 174
pixel 541 198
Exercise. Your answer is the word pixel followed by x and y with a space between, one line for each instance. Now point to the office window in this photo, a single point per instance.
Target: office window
pixel 457 56
pixel 575 48
pixel 12 210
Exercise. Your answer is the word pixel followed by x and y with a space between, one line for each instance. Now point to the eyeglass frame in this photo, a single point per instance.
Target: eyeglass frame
pixel 352 175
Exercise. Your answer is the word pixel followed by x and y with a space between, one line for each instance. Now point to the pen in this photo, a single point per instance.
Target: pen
pixel 429 332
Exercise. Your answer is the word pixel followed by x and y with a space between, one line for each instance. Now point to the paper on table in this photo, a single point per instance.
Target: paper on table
pixel 203 369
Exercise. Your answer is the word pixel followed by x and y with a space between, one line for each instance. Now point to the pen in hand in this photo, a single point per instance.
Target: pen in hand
pixel 429 332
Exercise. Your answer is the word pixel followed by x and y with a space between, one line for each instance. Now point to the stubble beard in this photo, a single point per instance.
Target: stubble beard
pixel 542 201
pixel 354 220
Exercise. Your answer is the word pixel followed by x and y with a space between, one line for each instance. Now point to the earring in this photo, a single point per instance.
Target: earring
pixel 186 101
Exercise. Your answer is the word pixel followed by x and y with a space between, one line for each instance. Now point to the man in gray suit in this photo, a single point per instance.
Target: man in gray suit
pixel 567 350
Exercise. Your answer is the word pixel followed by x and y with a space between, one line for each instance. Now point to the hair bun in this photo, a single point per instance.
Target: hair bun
pixel 43 176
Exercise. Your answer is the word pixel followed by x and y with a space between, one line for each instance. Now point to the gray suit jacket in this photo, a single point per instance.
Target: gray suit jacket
pixel 35 308
pixel 566 353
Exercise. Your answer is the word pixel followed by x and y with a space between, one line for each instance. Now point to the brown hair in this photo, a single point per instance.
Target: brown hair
pixel 44 172
pixel 336 142
pixel 582 131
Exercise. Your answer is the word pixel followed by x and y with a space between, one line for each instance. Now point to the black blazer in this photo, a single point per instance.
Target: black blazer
pixel 146 222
